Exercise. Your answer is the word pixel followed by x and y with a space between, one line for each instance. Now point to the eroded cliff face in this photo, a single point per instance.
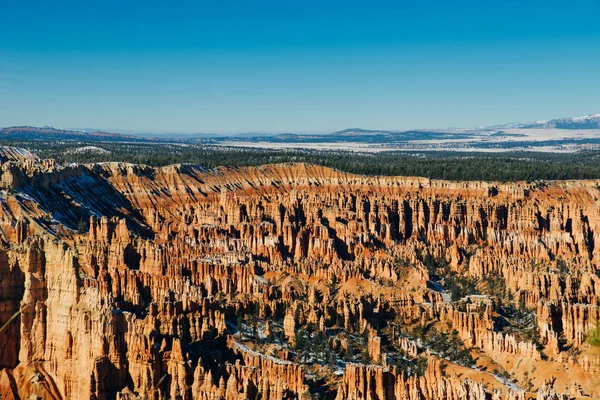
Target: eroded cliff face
pixel 293 281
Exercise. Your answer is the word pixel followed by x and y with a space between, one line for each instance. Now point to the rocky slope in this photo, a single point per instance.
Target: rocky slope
pixel 293 281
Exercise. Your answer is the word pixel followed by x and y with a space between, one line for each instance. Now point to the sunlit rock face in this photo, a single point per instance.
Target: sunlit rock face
pixel 293 281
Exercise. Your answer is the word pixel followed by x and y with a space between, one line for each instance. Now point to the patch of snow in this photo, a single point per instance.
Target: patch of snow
pixel 89 149
pixel 586 117
pixel 247 349
pixel 25 196
pixel 260 279
pixel 509 384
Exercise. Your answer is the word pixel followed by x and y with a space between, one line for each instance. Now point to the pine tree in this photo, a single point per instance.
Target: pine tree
pixel 82 227
pixel 240 321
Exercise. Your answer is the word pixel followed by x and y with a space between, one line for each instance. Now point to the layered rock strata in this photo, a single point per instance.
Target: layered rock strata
pixel 131 282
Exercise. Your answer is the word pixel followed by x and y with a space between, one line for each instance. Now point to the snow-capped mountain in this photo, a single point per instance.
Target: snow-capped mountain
pixel 585 122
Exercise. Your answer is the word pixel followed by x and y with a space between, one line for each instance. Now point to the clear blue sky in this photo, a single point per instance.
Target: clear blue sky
pixel 296 66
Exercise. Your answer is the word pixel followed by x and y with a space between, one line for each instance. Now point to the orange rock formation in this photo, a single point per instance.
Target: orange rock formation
pixel 130 282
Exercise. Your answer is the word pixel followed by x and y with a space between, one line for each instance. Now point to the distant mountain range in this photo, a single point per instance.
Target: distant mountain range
pixel 50 133
pixel 585 122
pixel 346 135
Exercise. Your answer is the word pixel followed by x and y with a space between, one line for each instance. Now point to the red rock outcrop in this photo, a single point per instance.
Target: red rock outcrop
pixel 234 283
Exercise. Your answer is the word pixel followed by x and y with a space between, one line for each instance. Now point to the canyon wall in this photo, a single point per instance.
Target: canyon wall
pixel 131 282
